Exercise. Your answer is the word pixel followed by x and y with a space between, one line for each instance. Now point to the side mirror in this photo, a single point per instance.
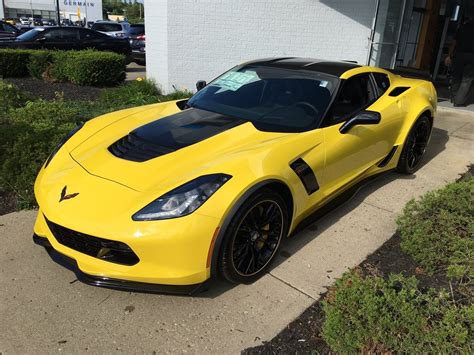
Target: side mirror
pixel 362 118
pixel 201 84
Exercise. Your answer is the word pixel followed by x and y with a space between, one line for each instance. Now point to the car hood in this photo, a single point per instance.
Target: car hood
pixel 147 152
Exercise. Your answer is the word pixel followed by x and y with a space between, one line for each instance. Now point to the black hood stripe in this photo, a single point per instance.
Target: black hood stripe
pixel 171 133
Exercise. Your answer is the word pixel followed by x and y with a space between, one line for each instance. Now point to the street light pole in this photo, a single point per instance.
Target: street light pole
pixel 58 14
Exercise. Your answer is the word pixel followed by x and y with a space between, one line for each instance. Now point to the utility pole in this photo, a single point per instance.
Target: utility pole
pixel 58 14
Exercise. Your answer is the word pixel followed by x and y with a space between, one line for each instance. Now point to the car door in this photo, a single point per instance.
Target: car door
pixel 60 38
pixel 348 155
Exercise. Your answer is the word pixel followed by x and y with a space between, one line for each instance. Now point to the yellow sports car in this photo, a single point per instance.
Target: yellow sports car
pixel 166 197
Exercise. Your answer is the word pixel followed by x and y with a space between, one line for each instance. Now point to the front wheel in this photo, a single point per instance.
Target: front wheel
pixel 415 146
pixel 253 237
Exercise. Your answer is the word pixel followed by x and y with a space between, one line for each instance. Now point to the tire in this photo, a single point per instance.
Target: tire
pixel 415 146
pixel 250 244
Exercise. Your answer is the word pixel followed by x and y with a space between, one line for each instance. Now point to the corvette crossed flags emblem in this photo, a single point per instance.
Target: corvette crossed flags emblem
pixel 66 196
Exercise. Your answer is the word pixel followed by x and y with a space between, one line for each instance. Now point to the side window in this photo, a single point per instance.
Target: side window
pixel 61 34
pixel 382 81
pixel 356 94
pixel 85 34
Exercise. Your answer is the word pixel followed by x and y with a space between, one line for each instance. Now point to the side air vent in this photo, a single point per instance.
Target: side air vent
pixel 389 157
pixel 306 175
pixel 398 91
pixel 132 147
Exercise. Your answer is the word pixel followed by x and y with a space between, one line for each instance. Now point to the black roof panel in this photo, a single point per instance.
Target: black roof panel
pixel 330 67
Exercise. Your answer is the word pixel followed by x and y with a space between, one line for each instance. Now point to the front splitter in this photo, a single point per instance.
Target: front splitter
pixel 123 285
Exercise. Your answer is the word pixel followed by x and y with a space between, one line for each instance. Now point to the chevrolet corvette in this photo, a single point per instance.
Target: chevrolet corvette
pixel 167 197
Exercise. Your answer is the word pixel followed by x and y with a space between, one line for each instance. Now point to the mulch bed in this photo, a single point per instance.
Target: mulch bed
pixel 39 89
pixel 302 336
pixel 8 202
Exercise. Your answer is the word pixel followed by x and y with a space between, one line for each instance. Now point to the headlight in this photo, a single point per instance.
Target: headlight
pixel 183 200
pixel 61 143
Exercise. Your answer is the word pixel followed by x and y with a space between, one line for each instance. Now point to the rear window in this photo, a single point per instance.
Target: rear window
pixel 107 27
pixel 137 30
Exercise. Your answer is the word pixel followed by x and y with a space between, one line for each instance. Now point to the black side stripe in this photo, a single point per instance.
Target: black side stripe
pixel 306 175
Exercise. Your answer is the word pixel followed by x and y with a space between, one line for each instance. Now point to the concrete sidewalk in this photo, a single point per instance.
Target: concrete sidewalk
pixel 43 309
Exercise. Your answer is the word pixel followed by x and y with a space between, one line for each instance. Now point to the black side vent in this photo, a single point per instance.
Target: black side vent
pixel 132 147
pixel 306 175
pixel 389 157
pixel 398 91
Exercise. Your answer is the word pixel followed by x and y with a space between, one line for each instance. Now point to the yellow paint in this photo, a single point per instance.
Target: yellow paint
pixel 175 251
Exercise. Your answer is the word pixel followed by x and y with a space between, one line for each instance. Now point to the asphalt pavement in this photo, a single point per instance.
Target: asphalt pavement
pixel 44 309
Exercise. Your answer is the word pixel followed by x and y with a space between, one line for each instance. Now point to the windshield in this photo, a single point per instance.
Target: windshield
pixel 29 35
pixel 273 99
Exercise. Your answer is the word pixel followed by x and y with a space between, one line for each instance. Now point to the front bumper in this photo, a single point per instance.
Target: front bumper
pixel 123 285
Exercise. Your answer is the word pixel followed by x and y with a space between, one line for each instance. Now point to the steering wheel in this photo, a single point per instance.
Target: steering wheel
pixel 308 108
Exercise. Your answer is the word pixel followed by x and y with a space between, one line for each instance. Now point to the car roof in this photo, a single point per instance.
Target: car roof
pixel 336 68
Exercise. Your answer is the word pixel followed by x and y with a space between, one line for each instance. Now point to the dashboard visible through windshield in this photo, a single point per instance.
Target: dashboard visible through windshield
pixel 273 99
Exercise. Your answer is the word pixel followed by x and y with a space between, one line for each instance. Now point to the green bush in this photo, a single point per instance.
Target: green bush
pixel 11 97
pixel 376 315
pixel 32 133
pixel 38 63
pixel 13 62
pixel 95 68
pixel 134 93
pixel 87 67
pixel 438 230
pixel 176 95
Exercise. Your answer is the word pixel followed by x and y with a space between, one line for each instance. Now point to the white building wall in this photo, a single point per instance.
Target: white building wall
pixel 2 15
pixel 189 40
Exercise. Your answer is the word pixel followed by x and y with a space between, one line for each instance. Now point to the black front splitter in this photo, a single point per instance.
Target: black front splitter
pixel 123 285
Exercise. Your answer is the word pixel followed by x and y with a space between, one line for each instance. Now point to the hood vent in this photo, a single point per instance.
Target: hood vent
pixel 132 147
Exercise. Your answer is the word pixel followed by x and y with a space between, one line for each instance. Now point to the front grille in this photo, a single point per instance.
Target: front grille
pixel 132 147
pixel 104 249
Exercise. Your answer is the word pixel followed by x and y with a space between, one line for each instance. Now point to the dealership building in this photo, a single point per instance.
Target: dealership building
pixel 74 10
pixel 189 40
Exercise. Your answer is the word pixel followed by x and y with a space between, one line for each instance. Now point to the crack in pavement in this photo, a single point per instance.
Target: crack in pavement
pixel 293 287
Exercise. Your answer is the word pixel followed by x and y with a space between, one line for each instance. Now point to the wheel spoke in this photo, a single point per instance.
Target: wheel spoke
pixel 257 238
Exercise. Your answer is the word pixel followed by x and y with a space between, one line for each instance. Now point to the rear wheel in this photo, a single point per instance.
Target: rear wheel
pixel 253 237
pixel 415 146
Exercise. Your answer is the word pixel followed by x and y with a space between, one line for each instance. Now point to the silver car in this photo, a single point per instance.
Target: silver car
pixel 114 29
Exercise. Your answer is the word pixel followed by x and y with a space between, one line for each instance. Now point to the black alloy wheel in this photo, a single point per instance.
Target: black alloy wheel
pixel 254 237
pixel 415 146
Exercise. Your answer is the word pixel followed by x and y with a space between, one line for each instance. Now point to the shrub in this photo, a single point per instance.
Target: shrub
pixel 38 63
pixel 13 62
pixel 95 68
pixel 132 93
pixel 176 95
pixel 11 97
pixel 59 67
pixel 438 230
pixel 376 315
pixel 32 134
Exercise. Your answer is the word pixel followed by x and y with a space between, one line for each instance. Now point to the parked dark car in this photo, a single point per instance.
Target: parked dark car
pixel 68 38
pixel 7 31
pixel 137 43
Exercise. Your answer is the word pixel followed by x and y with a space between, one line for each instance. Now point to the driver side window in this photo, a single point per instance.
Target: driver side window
pixel 357 93
pixel 60 34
